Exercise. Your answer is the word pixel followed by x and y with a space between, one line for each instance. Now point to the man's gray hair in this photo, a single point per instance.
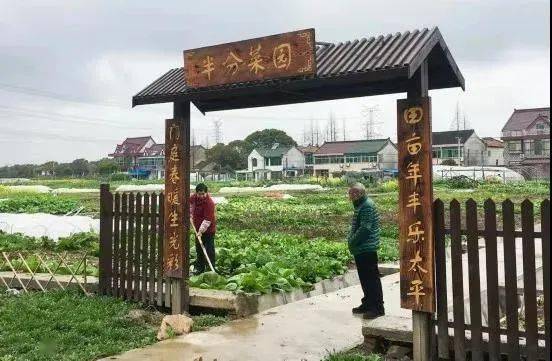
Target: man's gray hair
pixel 359 188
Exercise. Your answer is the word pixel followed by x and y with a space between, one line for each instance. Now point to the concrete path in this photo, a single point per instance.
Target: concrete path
pixel 303 330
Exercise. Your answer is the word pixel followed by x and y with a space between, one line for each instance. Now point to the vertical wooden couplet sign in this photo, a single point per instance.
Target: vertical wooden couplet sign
pixel 175 229
pixel 415 204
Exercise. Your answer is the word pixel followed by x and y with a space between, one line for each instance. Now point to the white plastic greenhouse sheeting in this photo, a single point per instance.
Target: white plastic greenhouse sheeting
pixel 273 188
pixel 143 188
pixel 51 226
pixel 477 173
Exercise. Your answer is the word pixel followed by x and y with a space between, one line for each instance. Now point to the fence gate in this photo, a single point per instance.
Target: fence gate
pixel 498 280
pixel 131 247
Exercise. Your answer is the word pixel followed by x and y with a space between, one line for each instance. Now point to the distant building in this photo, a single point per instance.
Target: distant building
pixel 274 163
pixel 494 155
pixel 526 137
pixel 142 156
pixel 127 153
pixel 308 153
pixel 463 147
pixel 334 159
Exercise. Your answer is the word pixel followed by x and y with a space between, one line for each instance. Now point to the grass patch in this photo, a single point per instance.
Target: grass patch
pixel 66 325
pixel 206 321
pixel 352 355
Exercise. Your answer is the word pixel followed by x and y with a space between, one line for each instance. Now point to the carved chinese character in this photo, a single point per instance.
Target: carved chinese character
pixel 208 66
pixel 172 197
pixel 416 288
pixel 282 56
pixel 256 59
pixel 174 132
pixel 174 156
pixel 415 232
pixel 414 201
pixel 173 241
pixel 232 63
pixel 416 266
pixel 174 219
pixel 413 170
pixel 172 262
pixel 412 145
pixel 174 175
pixel 413 115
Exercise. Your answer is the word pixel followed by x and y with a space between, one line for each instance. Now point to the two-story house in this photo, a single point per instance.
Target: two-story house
pixel 461 147
pixel 127 153
pixel 274 163
pixel 334 159
pixel 526 137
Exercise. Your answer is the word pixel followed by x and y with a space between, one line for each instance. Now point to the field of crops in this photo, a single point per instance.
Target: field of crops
pixel 269 242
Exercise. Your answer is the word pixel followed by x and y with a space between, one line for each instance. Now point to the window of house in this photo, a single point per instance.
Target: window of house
pixel 254 162
pixel 275 161
pixel 514 146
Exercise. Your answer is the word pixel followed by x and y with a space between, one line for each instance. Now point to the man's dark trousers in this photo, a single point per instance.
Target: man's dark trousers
pixel 209 243
pixel 368 273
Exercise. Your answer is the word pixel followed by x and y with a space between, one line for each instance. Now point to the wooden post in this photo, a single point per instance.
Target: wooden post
pixel 421 321
pixel 106 253
pixel 177 196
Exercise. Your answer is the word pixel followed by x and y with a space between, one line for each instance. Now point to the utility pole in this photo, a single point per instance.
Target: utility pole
pixel 344 131
pixel 370 124
pixel 217 131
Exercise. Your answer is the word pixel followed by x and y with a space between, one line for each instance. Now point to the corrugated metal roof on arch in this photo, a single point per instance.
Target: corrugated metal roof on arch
pixel 380 53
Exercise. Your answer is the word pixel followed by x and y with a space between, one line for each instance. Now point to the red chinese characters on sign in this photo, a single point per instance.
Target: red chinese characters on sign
pixel 415 208
pixel 276 56
pixel 173 257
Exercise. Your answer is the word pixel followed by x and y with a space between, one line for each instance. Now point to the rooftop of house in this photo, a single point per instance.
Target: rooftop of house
pixel 491 142
pixel 451 136
pixel 521 119
pixel 155 150
pixel 370 146
pixel 131 146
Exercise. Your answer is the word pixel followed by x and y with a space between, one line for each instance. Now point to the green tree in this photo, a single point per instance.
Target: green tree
pixel 225 157
pixel 106 166
pixel 79 167
pixel 266 138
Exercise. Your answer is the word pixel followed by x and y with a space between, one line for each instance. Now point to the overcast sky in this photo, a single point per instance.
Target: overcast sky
pixel 68 69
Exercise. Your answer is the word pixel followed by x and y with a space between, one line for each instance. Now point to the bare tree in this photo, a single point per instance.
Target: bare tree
pixel 370 124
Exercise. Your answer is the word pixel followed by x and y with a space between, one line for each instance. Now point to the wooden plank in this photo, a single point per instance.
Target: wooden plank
pixel 491 260
pixel 116 243
pixel 545 229
pixel 130 246
pixel 160 252
pixel 457 282
pixel 474 280
pixel 529 279
pixel 145 247
pixel 173 257
pixel 415 204
pixel 510 278
pixel 106 252
pixel 124 246
pixel 270 57
pixel 137 247
pixel 153 247
pixel 441 279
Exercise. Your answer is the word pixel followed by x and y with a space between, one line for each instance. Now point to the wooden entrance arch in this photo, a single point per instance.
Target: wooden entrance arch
pixel 411 62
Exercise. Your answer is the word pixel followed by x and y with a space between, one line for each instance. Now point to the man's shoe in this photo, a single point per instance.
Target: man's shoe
pixel 360 309
pixel 370 315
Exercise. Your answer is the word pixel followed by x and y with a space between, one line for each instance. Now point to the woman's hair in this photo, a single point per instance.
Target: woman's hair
pixel 201 187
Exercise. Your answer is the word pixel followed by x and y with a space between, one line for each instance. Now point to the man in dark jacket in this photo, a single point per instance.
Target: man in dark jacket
pixel 363 243
pixel 202 211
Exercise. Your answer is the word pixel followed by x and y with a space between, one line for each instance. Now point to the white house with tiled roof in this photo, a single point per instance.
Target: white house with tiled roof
pixel 127 153
pixel 274 163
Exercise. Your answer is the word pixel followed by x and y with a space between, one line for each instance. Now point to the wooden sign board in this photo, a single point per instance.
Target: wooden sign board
pixel 174 227
pixel 271 57
pixel 415 204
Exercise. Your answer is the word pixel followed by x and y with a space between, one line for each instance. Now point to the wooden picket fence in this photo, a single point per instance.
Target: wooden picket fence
pixel 131 247
pixel 500 333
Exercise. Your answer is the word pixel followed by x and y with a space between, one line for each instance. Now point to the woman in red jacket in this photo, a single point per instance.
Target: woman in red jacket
pixel 202 211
